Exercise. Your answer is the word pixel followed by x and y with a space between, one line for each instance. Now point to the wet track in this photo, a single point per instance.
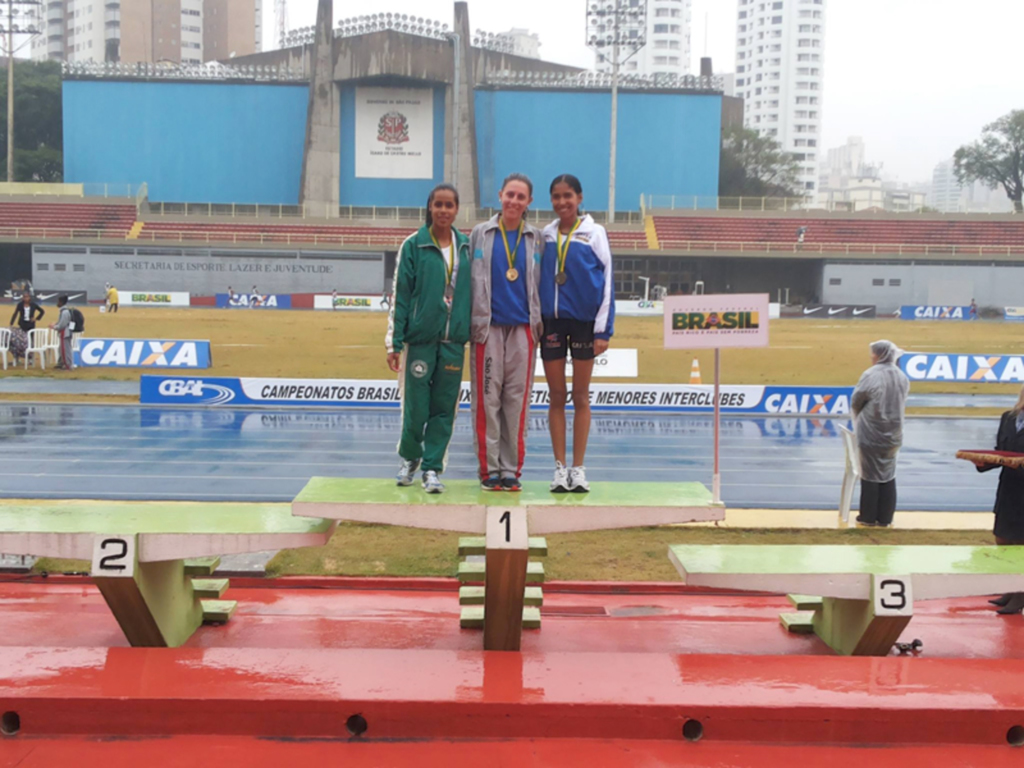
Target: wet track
pixel 148 453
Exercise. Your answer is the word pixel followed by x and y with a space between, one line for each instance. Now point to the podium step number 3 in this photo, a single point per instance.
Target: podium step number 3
pixel 506 559
pixel 155 603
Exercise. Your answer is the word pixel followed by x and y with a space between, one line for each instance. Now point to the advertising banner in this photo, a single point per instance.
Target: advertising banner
pixel 997 369
pixel 613 364
pixel 143 353
pixel 364 303
pixel 709 321
pixel 154 299
pixel 638 308
pixel 259 301
pixel 394 133
pixel 1013 314
pixel 671 398
pixel 830 310
pixel 934 313
pixel 46 296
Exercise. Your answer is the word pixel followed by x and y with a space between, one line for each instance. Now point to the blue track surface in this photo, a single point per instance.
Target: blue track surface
pixel 143 453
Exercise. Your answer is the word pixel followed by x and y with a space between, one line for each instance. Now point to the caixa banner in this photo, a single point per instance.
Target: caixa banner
pixel 143 353
pixel 254 301
pixel 934 313
pixel 667 398
pixel 996 369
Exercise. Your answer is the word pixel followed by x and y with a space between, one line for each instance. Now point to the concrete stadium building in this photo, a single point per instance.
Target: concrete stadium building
pixel 378 111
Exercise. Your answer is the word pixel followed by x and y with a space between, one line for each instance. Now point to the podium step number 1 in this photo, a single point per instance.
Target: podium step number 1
pixel 506 557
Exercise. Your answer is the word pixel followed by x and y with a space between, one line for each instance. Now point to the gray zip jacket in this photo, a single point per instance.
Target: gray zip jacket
pixel 481 244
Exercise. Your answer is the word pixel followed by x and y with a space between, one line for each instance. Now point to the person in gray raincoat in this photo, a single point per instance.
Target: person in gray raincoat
pixel 879 400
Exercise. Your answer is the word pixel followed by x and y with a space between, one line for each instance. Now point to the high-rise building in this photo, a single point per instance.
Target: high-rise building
pixel 175 31
pixel 524 42
pixel 948 196
pixel 780 61
pixel 667 51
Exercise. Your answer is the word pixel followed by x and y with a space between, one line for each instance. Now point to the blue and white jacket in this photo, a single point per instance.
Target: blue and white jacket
pixel 589 293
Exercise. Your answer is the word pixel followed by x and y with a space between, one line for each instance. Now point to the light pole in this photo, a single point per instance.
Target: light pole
pixel 19 22
pixel 616 29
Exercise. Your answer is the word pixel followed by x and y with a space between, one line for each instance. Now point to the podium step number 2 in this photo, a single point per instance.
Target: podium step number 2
pixel 154 602
pixel 506 558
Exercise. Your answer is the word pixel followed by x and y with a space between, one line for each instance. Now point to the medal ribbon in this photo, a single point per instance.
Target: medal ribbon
pixel 564 251
pixel 510 253
pixel 450 266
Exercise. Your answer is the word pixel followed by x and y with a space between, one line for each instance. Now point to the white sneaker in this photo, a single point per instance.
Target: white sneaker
pixel 432 483
pixel 407 472
pixel 578 480
pixel 561 482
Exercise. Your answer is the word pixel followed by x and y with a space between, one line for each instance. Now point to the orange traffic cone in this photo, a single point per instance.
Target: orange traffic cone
pixel 695 372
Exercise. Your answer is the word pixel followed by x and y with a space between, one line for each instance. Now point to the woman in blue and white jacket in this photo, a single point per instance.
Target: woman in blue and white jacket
pixel 577 301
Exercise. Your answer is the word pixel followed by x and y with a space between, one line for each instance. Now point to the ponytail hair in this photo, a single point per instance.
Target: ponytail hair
pixel 573 184
pixel 430 199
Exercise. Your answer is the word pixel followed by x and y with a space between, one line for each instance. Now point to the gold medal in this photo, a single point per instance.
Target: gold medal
pixel 510 253
pixel 512 274
pixel 449 292
pixel 561 278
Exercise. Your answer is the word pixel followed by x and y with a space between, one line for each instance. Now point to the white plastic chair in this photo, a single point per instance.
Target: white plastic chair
pixel 53 344
pixel 851 477
pixel 5 344
pixel 76 342
pixel 38 344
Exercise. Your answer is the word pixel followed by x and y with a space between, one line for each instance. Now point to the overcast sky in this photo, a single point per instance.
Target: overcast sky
pixel 914 78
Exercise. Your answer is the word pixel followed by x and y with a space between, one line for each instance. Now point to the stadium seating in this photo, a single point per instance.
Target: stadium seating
pixel 833 234
pixel 66 220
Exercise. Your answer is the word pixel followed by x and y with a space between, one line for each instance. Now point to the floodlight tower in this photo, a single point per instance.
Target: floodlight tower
pixel 616 30
pixel 281 21
pixel 20 22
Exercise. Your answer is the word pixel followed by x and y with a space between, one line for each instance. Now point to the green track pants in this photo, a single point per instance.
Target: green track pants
pixel 431 382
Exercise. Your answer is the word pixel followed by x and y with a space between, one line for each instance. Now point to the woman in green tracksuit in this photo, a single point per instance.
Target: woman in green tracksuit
pixel 428 327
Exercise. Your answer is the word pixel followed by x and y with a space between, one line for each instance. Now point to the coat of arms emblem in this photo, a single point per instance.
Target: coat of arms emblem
pixel 393 128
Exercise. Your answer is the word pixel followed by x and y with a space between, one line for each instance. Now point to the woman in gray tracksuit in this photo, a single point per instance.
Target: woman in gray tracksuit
pixel 505 331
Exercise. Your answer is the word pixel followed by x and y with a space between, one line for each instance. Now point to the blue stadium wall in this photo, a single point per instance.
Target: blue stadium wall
pixel 243 142
pixel 668 144
pixel 190 142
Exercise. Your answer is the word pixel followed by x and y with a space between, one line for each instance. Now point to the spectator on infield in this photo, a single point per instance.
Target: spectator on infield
pixel 65 328
pixel 505 329
pixel 428 327
pixel 26 313
pixel 578 308
pixel 878 403
pixel 112 298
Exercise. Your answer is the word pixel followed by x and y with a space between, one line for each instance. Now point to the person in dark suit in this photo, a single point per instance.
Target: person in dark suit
pixel 1009 506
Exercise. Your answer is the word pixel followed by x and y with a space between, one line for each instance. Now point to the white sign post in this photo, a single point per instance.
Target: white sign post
pixel 712 321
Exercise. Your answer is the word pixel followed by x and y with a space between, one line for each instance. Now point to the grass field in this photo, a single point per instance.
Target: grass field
pixel 307 344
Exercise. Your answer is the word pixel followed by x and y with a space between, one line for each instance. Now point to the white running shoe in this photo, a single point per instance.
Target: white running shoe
pixel 578 480
pixel 432 483
pixel 561 482
pixel 407 472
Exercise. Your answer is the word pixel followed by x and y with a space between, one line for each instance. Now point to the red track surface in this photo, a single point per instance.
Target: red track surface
pixel 610 680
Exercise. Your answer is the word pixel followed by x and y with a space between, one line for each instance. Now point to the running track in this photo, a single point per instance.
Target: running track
pixel 144 453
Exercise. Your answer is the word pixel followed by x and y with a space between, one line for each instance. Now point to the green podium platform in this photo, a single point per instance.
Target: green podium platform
pixel 150 561
pixel 463 506
pixel 858 599
pixel 507 521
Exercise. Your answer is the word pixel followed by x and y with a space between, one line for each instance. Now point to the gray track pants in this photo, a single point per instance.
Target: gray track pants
pixel 502 375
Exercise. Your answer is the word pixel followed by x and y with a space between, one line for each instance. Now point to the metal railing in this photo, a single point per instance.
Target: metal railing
pixel 406 216
pixel 652 204
pixel 880 249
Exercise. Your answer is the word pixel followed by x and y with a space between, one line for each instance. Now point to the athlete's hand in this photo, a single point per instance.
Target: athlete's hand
pixel 394 361
pixel 600 346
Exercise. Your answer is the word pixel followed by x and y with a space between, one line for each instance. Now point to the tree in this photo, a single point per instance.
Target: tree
pixel 997 159
pixel 755 166
pixel 38 133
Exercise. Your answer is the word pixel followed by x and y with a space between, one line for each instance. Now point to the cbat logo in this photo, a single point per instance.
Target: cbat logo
pixel 393 128
pixel 939 313
pixel 195 388
pixel 157 354
pixel 418 368
pixel 810 403
pixel 645 305
pixel 715 321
